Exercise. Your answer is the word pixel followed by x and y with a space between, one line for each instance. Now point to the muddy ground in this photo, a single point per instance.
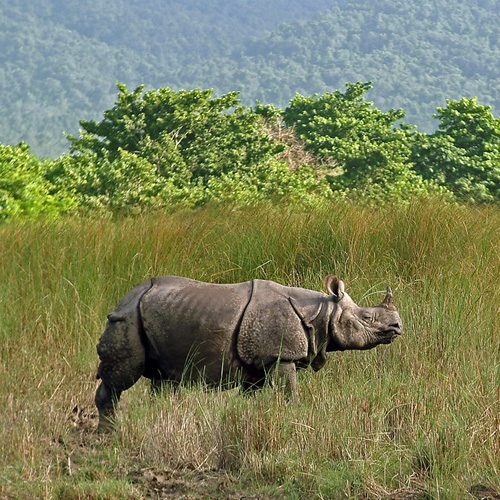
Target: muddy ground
pixel 170 484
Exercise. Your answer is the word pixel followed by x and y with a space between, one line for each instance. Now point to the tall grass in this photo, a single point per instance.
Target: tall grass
pixel 420 416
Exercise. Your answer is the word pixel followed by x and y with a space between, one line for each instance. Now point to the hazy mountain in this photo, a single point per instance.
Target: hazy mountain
pixel 60 61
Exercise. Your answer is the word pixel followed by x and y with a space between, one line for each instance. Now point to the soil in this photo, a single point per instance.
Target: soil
pixel 170 484
pixel 157 484
pixel 190 485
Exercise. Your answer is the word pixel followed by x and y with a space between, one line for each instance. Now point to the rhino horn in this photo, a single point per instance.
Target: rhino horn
pixel 388 302
pixel 334 286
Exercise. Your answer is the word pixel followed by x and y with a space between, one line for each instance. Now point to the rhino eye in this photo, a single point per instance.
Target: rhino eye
pixel 367 316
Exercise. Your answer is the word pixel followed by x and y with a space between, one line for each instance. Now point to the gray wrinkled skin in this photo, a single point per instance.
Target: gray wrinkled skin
pixel 181 330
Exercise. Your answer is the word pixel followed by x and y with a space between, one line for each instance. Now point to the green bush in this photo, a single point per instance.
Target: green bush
pixel 24 188
pixel 170 150
pixel 464 154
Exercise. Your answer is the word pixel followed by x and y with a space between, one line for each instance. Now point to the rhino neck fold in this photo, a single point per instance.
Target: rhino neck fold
pixel 315 318
pixel 322 335
pixel 333 343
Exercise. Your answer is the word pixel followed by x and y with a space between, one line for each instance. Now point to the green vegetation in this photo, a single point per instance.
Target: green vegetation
pixel 200 184
pixel 24 189
pixel 464 154
pixel 61 60
pixel 170 150
pixel 416 419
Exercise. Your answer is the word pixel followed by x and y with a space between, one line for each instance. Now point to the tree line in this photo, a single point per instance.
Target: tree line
pixel 166 149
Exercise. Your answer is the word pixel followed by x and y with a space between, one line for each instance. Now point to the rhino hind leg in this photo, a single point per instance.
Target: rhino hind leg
pixel 105 400
pixel 158 380
pixel 123 358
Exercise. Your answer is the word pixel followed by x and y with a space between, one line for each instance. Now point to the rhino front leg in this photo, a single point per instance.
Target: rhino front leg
pixel 285 377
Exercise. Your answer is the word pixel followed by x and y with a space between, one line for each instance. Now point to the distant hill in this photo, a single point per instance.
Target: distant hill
pixel 60 60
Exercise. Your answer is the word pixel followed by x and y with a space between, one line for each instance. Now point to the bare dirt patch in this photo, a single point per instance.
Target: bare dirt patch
pixel 155 483
pixel 191 485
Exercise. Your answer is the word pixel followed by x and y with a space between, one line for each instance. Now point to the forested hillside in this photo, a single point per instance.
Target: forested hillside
pixel 60 61
pixel 417 53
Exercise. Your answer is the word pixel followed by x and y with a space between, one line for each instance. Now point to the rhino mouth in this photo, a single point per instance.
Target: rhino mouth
pixel 390 335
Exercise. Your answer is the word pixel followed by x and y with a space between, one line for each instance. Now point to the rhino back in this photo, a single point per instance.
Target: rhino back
pixel 191 326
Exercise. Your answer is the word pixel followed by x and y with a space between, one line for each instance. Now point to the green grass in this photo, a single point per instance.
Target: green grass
pixel 421 415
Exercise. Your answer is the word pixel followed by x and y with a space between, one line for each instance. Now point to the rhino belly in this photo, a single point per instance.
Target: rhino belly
pixel 191 327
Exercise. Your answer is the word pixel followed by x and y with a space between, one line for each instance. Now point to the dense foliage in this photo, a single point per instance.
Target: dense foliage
pixel 61 60
pixel 345 130
pixel 464 154
pixel 24 189
pixel 168 149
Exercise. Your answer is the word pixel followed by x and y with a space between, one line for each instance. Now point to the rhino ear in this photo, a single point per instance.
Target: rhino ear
pixel 334 286
pixel 388 302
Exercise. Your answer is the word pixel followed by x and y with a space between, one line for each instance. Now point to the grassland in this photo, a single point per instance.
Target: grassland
pixel 417 419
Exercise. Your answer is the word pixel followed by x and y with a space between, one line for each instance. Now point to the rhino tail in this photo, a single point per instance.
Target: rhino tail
pixel 113 317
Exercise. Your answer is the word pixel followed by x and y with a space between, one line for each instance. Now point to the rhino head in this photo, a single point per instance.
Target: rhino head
pixel 355 327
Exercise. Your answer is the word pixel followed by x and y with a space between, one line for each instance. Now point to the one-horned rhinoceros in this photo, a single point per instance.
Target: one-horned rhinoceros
pixel 178 329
